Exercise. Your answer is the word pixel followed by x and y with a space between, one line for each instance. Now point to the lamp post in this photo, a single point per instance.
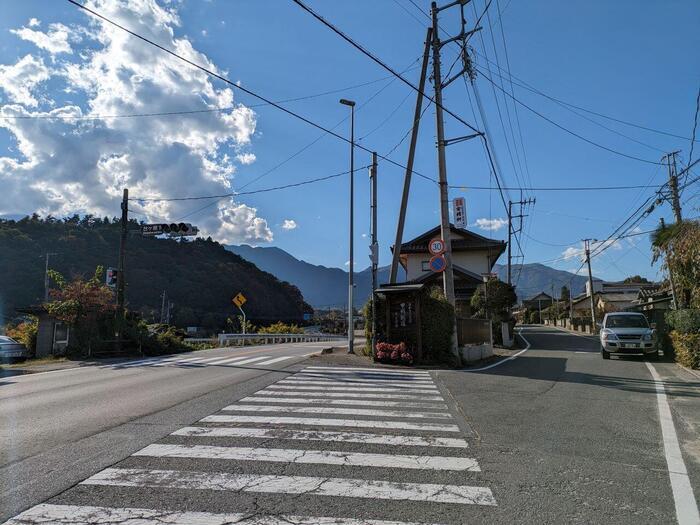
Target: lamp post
pixel 351 326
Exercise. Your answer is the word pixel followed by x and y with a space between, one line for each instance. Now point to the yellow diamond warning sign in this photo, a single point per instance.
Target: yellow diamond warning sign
pixel 239 300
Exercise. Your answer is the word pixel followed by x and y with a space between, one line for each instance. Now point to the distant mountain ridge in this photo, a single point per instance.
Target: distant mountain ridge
pixel 325 287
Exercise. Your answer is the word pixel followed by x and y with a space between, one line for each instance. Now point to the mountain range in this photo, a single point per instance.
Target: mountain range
pixel 325 287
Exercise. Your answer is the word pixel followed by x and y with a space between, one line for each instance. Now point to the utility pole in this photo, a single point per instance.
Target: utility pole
pixel 46 277
pixel 448 274
pixel 120 272
pixel 162 307
pixel 673 184
pixel 351 264
pixel 590 279
pixel 674 297
pixel 374 247
pixel 409 164
pixel 513 231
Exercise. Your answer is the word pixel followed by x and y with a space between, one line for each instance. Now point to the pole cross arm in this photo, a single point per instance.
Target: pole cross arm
pixel 448 142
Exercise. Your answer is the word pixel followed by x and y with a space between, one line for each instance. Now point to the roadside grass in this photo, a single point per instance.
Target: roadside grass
pixel 36 361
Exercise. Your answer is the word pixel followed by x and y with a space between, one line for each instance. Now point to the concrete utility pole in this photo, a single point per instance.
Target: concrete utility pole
pixel 351 284
pixel 374 247
pixel 409 164
pixel 673 184
pixel 120 272
pixel 46 277
pixel 448 274
pixel 590 279
pixel 511 230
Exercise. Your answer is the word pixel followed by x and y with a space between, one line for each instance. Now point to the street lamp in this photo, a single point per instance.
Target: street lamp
pixel 351 326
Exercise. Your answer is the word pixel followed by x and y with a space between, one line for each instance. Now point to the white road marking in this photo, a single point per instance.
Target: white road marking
pixel 266 392
pixel 326 401
pixel 339 411
pixel 252 360
pixel 73 514
pixel 511 358
pixel 683 497
pixel 343 370
pixel 365 375
pixel 351 388
pixel 307 485
pixel 353 379
pixel 330 422
pixel 278 359
pixel 317 435
pixel 236 359
pixel 393 384
pixel 320 457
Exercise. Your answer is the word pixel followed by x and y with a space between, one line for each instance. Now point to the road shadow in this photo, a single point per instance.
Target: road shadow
pixel 554 369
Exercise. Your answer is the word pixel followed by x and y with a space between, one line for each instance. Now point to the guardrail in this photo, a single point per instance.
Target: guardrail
pixel 243 339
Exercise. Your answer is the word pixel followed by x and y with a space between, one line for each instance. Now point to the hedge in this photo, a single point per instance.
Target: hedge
pixel 684 321
pixel 687 347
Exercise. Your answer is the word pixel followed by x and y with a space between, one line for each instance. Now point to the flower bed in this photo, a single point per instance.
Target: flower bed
pixel 394 353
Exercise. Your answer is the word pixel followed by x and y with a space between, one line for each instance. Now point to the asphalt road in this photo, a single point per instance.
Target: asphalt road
pixel 58 427
pixel 556 435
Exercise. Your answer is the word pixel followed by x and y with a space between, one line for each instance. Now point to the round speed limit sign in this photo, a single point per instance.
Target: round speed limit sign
pixel 436 246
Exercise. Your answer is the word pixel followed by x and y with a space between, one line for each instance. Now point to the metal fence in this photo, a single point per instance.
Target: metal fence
pixel 244 339
pixel 474 331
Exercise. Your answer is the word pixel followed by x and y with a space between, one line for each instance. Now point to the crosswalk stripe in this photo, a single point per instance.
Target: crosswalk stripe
pixel 252 360
pixel 378 380
pixel 361 402
pixel 307 485
pixel 343 370
pixel 330 422
pixel 73 514
pixel 296 393
pixel 322 457
pixel 339 411
pixel 351 388
pixel 278 359
pixel 394 384
pixel 319 435
pixel 235 359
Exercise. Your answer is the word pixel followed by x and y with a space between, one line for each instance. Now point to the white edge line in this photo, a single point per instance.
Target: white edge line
pixel 683 497
pixel 514 356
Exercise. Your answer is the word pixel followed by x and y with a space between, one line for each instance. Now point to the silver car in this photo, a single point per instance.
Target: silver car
pixel 627 333
pixel 11 350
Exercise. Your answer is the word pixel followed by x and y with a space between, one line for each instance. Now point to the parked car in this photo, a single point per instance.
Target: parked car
pixel 627 333
pixel 11 350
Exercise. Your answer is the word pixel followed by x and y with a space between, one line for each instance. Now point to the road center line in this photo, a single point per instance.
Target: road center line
pixel 683 496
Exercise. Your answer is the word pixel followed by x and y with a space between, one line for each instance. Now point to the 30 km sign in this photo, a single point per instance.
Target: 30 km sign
pixel 436 246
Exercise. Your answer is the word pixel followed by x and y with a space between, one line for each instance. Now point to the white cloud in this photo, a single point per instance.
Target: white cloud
pixel 54 41
pixel 289 224
pixel 63 166
pixel 491 224
pixel 33 22
pixel 19 80
pixel 204 32
pixel 246 158
pixel 572 252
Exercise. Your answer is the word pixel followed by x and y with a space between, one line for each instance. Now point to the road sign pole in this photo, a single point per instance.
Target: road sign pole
pixel 243 326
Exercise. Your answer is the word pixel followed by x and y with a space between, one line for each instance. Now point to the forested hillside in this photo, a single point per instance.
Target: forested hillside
pixel 200 277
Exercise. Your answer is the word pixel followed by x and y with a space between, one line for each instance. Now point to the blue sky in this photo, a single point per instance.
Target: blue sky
pixel 635 61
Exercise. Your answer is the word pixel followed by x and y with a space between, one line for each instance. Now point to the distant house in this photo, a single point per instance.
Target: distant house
pixel 541 300
pixel 473 257
pixel 609 297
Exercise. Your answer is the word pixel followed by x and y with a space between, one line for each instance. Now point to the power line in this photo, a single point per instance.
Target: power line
pixel 695 126
pixel 525 85
pixel 250 92
pixel 252 192
pixel 377 60
pixel 552 188
pixel 589 141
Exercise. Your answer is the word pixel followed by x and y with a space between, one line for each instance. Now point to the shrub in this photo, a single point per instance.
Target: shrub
pixel 398 353
pixel 687 347
pixel 437 326
pixel 684 321
pixel 25 333
pixel 281 328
